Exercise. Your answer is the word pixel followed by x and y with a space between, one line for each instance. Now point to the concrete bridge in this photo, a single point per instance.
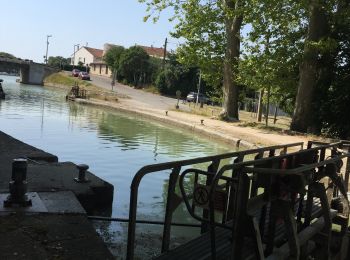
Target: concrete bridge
pixel 29 71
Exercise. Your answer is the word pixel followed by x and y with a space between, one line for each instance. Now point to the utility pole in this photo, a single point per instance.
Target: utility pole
pixel 164 54
pixel 47 46
pixel 74 54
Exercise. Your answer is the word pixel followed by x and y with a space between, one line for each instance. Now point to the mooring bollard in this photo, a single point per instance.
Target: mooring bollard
pixel 82 172
pixel 18 185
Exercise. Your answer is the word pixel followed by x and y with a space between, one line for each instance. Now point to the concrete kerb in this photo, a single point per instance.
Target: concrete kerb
pixel 173 122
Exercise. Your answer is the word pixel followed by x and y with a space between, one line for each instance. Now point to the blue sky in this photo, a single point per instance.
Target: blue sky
pixel 24 25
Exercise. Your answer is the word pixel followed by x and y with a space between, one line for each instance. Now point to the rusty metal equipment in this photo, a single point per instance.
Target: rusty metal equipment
pixel 76 92
pixel 18 185
pixel 292 189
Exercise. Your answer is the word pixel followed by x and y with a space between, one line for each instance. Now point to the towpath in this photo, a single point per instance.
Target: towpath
pixel 154 106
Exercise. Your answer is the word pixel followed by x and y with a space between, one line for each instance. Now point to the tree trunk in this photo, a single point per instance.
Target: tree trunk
pixel 268 106
pixel 230 86
pixel 303 120
pixel 260 105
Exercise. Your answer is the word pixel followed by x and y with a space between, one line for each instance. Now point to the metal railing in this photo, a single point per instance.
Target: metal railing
pixel 175 169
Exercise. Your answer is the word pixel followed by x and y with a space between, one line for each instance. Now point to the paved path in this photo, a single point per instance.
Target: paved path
pixel 147 99
pixel 154 106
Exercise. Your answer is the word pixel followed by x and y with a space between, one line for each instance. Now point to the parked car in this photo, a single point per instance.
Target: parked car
pixel 84 75
pixel 192 97
pixel 75 72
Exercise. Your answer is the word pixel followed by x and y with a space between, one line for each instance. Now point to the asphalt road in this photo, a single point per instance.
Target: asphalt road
pixel 148 99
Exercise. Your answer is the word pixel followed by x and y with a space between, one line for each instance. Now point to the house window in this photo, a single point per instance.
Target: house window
pixel 106 69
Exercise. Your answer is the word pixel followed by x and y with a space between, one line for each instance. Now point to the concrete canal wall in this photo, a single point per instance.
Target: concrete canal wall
pixel 55 225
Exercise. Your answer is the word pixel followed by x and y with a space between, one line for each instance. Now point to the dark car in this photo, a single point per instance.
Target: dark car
pixel 84 75
pixel 192 97
pixel 75 72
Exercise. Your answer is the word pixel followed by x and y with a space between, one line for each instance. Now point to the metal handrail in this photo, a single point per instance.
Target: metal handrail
pixel 176 168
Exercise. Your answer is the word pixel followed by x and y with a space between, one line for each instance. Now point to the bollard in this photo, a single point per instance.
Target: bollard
pixel 18 185
pixel 202 121
pixel 166 113
pixel 82 172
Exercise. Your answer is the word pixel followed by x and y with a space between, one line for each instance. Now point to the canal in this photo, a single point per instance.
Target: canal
pixel 113 144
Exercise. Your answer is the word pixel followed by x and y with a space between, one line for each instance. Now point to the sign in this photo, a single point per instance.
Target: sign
pixel 201 197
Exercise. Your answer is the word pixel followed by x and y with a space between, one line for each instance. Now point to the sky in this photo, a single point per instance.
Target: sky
pixel 25 24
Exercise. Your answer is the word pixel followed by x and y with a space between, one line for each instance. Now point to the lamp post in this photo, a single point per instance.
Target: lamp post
pixel 74 54
pixel 47 46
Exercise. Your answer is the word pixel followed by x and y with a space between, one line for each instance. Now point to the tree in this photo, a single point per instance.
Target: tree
pixel 176 76
pixel 212 33
pixel 7 55
pixel 58 61
pixel 318 30
pixel 113 57
pixel 272 50
pixel 324 69
pixel 134 64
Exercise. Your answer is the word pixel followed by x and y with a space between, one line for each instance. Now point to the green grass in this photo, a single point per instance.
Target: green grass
pixel 63 79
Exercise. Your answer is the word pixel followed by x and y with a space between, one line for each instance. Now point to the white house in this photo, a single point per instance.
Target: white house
pixel 94 58
pixel 87 55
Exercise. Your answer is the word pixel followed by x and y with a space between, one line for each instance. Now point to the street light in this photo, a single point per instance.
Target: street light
pixel 74 53
pixel 47 46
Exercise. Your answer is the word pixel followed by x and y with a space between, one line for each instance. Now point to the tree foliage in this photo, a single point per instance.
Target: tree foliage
pixel 7 55
pixel 58 61
pixel 211 30
pixel 113 57
pixel 176 76
pixel 133 64
pixel 299 50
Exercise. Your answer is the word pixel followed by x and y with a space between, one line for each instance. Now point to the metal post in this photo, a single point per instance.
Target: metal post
pixel 18 185
pixel 74 54
pixel 47 47
pixel 199 86
pixel 169 209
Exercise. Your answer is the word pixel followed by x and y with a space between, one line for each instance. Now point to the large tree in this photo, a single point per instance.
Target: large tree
pixel 113 58
pixel 133 64
pixel 322 67
pixel 318 30
pixel 211 30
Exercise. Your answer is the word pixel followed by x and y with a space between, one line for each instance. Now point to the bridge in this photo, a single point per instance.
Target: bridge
pixel 30 72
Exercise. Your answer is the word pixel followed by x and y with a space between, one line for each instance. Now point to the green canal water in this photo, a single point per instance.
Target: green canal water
pixel 113 144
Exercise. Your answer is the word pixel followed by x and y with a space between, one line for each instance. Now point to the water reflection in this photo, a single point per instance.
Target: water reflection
pixel 114 145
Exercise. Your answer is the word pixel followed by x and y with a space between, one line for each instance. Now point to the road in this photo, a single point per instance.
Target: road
pixel 148 99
